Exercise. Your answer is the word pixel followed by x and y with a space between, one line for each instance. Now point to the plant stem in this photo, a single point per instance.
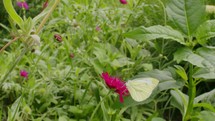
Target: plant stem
pixel 191 93
pixel 13 66
pixel 47 16
pixel 9 44
pixel 164 11
pixel 27 48
pixel 98 105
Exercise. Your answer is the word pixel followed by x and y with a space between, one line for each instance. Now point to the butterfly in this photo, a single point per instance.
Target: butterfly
pixel 141 88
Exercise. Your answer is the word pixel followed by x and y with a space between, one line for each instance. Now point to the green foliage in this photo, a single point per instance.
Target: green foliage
pixel 187 18
pixel 155 32
pixel 11 11
pixel 205 32
pixel 64 78
pixel 186 15
pixel 180 101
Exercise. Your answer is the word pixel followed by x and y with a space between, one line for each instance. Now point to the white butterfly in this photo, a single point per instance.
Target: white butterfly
pixel 141 88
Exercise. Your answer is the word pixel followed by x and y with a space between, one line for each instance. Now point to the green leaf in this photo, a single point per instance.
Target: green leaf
pixel 205 96
pixel 208 55
pixel 201 59
pixel 75 110
pixel 180 71
pixel 116 63
pixel 204 73
pixel 97 66
pixel 158 119
pixel 205 105
pixel 186 15
pixel 27 26
pixel 206 116
pixel 205 32
pixel 155 32
pixel 11 11
pixel 13 112
pixel 63 118
pixel 105 112
pixel 181 54
pixel 179 100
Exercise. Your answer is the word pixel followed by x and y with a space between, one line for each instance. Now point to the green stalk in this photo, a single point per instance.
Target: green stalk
pixel 17 108
pixel 164 11
pixel 47 16
pixel 27 48
pixel 3 48
pixel 117 118
pixel 98 105
pixel 129 17
pixel 13 65
pixel 191 93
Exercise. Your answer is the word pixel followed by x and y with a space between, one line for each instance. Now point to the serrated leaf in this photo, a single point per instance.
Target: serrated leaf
pixel 11 11
pixel 205 32
pixel 181 54
pixel 208 55
pixel 200 59
pixel 204 73
pixel 155 32
pixel 186 15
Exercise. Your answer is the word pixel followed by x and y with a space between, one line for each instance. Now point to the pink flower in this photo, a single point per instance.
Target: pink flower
pixel 98 28
pixel 23 5
pixel 116 84
pixel 123 1
pixel 58 37
pixel 45 4
pixel 24 74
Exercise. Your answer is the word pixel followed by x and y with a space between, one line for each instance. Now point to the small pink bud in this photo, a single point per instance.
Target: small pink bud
pixel 24 74
pixel 45 4
pixel 23 5
pixel 123 1
pixel 98 28
pixel 58 37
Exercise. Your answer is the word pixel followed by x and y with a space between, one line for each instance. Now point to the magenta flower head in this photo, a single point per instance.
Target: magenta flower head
pixel 45 4
pixel 98 28
pixel 116 84
pixel 123 1
pixel 23 5
pixel 24 74
pixel 58 37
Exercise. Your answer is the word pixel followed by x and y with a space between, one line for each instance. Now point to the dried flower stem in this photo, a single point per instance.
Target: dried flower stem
pixel 46 17
pixel 9 43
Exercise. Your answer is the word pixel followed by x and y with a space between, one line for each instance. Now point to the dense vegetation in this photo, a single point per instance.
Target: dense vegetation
pixel 53 54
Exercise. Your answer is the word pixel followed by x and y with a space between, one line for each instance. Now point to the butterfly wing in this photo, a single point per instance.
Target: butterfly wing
pixel 141 88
